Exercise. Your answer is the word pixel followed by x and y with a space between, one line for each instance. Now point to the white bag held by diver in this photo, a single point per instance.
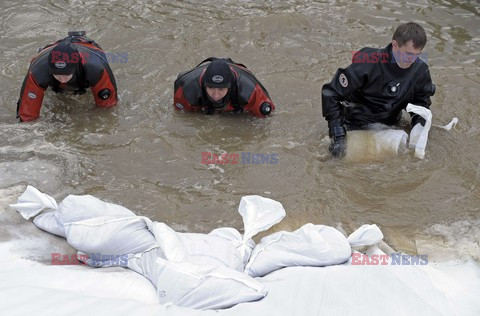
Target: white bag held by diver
pixel 375 144
pixel 419 133
pixel 379 143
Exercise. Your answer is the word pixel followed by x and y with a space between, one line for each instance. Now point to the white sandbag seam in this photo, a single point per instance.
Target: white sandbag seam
pixel 85 221
pixel 254 285
pixel 254 256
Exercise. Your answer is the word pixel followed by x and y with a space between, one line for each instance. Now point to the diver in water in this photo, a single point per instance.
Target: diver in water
pixel 377 86
pixel 72 64
pixel 221 86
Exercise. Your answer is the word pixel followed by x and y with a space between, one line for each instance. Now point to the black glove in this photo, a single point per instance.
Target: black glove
pixel 237 110
pixel 57 89
pixel 417 119
pixel 210 110
pixel 338 135
pixel 338 147
pixel 81 91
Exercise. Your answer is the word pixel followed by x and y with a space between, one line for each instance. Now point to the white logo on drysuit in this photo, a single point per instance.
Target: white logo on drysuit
pixel 60 64
pixel 32 95
pixel 394 88
pixel 180 106
pixel 217 78
pixel 343 80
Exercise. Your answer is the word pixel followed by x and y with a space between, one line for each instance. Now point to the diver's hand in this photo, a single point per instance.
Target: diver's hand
pixel 57 90
pixel 338 147
pixel 416 119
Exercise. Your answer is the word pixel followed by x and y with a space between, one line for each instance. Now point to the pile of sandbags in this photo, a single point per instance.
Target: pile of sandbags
pixel 203 271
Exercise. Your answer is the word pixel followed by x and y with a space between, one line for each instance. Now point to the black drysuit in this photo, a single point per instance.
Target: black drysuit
pixel 374 89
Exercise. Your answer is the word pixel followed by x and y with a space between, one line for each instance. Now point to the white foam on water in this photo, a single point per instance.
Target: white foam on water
pixel 39 172
pixel 454 241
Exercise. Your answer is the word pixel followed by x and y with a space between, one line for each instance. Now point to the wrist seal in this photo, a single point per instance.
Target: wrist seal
pixel 337 131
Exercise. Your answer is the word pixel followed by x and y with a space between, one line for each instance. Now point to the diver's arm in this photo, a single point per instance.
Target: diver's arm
pixel 31 98
pixel 259 104
pixel 424 89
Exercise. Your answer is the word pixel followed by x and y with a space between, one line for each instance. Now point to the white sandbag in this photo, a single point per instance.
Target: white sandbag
pixel 72 209
pixel 195 286
pixel 259 214
pixel 369 145
pixel 225 246
pixel 32 202
pixel 49 223
pixel 194 270
pixel 107 236
pixel 244 247
pixel 230 234
pixel 202 249
pixel 310 245
pixel 76 208
pixel 419 133
pixel 366 235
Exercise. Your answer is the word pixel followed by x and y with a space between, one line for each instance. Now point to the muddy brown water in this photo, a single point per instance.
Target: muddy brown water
pixel 147 157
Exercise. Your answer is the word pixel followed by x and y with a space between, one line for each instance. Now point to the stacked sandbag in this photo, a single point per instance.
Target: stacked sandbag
pixel 203 271
pixel 193 285
pixel 310 245
pixel 223 246
pixel 190 270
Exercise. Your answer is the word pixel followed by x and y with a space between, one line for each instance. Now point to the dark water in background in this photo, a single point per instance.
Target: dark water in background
pixel 147 157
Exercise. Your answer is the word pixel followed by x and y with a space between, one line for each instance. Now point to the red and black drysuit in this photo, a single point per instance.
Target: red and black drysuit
pixel 91 70
pixel 245 94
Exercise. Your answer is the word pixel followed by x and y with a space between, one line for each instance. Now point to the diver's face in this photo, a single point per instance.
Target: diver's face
pixel 63 78
pixel 216 94
pixel 405 55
